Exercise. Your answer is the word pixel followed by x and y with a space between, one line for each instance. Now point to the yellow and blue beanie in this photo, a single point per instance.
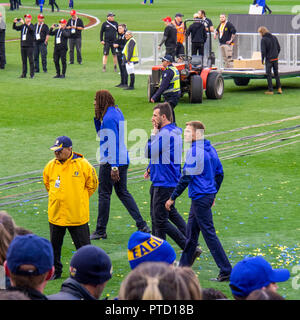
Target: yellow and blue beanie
pixel 144 247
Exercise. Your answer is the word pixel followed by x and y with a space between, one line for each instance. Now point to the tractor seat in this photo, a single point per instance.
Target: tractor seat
pixel 196 62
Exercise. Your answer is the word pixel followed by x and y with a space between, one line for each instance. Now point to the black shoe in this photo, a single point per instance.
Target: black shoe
pixel 45 71
pixel 97 236
pixel 221 278
pixel 128 88
pixel 57 76
pixel 62 76
pixel 71 62
pixel 80 62
pixel 119 85
pixel 196 255
pixel 22 76
pixel 145 229
pixel 56 276
pixel 31 77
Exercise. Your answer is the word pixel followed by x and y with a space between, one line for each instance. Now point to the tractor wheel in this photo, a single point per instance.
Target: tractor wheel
pixel 196 89
pixel 241 81
pixel 151 89
pixel 214 86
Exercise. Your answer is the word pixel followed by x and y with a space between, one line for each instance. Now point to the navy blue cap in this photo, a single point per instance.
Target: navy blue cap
pixel 254 273
pixel 144 247
pixel 91 265
pixel 179 15
pixel 30 249
pixel 167 57
pixel 61 142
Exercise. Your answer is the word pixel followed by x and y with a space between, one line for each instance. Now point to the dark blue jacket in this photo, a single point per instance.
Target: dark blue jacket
pixel 164 151
pixel 202 171
pixel 111 133
pixel 71 290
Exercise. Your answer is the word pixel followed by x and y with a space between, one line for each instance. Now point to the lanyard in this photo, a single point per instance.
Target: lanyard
pixel 112 25
pixel 38 28
pixel 59 32
pixel 75 23
pixel 24 31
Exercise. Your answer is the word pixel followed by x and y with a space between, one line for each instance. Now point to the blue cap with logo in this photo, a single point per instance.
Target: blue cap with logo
pixel 144 247
pixel 61 142
pixel 254 273
pixel 90 265
pixel 32 250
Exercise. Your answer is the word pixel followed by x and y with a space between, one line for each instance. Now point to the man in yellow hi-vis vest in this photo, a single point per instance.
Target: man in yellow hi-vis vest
pixel 169 85
pixel 131 56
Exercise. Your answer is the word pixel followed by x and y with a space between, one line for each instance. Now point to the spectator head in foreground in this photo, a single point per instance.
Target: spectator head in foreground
pixel 154 281
pixel 213 294
pixel 191 279
pixel 29 262
pixel 144 247
pixel 262 294
pixel 255 273
pixel 7 233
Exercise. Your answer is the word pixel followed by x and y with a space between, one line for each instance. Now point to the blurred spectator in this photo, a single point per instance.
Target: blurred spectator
pixel 154 281
pixel 208 23
pixel 191 279
pixel 144 247
pixel 90 270
pixel 255 273
pixel 7 233
pixel 52 4
pixel 12 295
pixel 213 294
pixel 20 231
pixel 263 294
pixel 29 264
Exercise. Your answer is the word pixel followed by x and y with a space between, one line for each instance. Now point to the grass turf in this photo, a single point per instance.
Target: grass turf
pixel 257 207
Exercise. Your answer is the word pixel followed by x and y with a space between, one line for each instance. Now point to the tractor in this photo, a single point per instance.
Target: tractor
pixel 194 76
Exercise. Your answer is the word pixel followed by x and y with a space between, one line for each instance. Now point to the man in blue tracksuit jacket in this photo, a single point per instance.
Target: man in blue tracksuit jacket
pixel 114 161
pixel 164 149
pixel 203 174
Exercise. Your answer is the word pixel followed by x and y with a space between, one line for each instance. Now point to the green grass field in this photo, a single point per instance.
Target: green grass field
pixel 257 209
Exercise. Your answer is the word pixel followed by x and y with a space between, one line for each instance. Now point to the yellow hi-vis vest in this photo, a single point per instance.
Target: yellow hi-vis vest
pixel 175 82
pixel 135 54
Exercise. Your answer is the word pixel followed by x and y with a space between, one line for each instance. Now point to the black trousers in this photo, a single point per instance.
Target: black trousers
pixel 27 53
pixel 60 54
pixel 75 42
pixel 171 51
pixel 40 48
pixel 269 66
pixel 161 217
pixel 197 48
pixel 79 234
pixel 122 67
pixel 106 186
pixel 179 49
pixel 2 55
pixel 53 3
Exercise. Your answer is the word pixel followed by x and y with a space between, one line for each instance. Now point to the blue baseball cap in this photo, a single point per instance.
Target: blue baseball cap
pixel 61 142
pixel 90 265
pixel 144 247
pixel 167 57
pixel 30 249
pixel 254 273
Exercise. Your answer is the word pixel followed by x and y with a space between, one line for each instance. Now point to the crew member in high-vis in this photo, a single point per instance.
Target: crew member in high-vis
pixel 131 55
pixel 70 181
pixel 170 84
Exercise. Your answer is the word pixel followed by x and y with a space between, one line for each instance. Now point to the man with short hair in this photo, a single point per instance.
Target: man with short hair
pixel 76 26
pixel 270 49
pixel 40 43
pixel 180 28
pixel 2 42
pixel 29 265
pixel 60 47
pixel 203 174
pixel 170 84
pixel 169 37
pixel 208 23
pixel 27 38
pixel 226 34
pixel 70 181
pixel 90 270
pixel 108 36
pixel 255 273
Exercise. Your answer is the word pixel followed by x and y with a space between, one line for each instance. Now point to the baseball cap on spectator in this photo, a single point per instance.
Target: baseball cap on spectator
pixel 30 249
pixel 144 247
pixel 90 265
pixel 40 16
pixel 28 16
pixel 167 57
pixel 73 12
pixel 63 21
pixel 254 273
pixel 62 141
pixel 179 15
pixel 110 14
pixel 167 19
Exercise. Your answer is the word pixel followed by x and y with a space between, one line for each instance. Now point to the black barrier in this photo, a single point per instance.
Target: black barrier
pixel 276 23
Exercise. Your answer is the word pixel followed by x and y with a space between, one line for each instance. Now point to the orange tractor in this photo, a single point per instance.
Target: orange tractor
pixel 194 76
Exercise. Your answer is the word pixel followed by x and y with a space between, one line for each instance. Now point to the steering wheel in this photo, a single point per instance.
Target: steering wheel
pixel 185 58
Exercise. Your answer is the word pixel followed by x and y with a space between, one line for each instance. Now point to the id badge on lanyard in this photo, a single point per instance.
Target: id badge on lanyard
pixel 24 33
pixel 73 25
pixel 38 32
pixel 58 37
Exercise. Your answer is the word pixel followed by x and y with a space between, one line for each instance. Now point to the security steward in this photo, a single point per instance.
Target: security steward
pixel 131 56
pixel 40 43
pixel 70 181
pixel 169 85
pixel 179 25
pixel 76 26
pixel 27 38
pixel 60 46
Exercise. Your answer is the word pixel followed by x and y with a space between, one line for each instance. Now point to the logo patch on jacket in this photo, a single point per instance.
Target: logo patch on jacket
pixel 76 174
